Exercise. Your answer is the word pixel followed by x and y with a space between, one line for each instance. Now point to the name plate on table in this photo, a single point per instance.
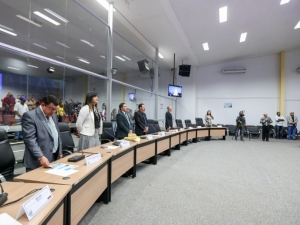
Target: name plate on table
pixel 190 127
pixel 181 129
pixel 36 203
pixel 149 137
pixel 92 159
pixel 162 133
pixel 124 144
pixel 198 126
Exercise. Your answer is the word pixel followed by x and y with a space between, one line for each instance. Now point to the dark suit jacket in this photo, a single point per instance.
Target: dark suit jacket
pixel 123 127
pixel 38 138
pixel 169 121
pixel 140 123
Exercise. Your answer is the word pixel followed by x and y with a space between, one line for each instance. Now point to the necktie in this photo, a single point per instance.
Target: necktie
pixel 54 133
pixel 146 124
pixel 127 120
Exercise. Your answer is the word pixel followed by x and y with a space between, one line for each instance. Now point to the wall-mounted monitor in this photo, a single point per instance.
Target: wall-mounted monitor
pixel 174 90
pixel 131 96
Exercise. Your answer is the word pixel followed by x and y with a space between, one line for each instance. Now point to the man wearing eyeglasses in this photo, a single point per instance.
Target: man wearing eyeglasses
pixel 41 135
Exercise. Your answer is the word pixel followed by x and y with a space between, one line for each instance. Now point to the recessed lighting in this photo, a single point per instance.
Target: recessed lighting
pixel 102 56
pixel 66 46
pixel 8 32
pixel 105 4
pixel 223 14
pixel 205 46
pixel 60 57
pixel 57 16
pixel 126 57
pixel 32 66
pixel 87 43
pixel 160 55
pixel 297 26
pixel 41 46
pixel 118 57
pixel 84 60
pixel 6 28
pixel 29 21
pixel 243 37
pixel 284 2
pixel 12 68
pixel 46 18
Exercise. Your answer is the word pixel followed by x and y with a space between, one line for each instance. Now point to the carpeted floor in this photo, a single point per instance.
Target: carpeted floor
pixel 216 182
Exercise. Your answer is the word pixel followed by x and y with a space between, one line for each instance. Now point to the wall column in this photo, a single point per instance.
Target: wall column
pixel 282 85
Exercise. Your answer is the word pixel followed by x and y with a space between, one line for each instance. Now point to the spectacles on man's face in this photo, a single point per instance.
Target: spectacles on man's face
pixel 51 108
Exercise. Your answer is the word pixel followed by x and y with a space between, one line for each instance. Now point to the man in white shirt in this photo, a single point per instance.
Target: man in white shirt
pixel 19 109
pixel 278 125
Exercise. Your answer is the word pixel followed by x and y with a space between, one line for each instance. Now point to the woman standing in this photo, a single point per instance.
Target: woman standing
pixel 60 111
pixel 208 118
pixel 88 123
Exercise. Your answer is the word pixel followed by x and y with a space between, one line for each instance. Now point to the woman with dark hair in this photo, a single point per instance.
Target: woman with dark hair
pixel 88 123
pixel 208 118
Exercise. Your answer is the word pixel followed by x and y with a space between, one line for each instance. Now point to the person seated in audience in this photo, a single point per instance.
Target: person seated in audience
pixel 17 99
pixel 8 103
pixel 60 111
pixel 278 125
pixel 292 121
pixel 208 118
pixel 124 126
pixel 41 135
pixel 29 103
pixel 19 109
pixel 266 122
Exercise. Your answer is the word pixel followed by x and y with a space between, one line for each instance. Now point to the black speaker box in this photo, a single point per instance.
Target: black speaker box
pixel 184 70
pixel 143 66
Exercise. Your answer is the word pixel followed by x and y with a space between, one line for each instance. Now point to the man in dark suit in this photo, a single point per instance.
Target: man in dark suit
pixel 169 120
pixel 141 122
pixel 41 135
pixel 123 122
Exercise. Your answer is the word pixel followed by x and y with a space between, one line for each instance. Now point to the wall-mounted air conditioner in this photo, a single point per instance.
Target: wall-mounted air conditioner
pixel 239 70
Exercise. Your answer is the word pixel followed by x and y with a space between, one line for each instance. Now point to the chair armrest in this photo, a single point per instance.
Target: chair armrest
pixel 67 152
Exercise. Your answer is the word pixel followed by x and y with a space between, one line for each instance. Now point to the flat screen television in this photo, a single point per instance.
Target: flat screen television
pixel 174 90
pixel 131 96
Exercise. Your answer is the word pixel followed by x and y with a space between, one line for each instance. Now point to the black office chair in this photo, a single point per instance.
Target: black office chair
pixel 150 121
pixel 155 124
pixel 7 157
pixel 107 135
pixel 199 122
pixel 179 123
pixel 66 139
pixel 253 130
pixel 188 123
pixel 231 128
pixel 151 129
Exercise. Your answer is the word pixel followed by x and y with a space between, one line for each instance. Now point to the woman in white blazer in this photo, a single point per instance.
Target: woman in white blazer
pixel 88 123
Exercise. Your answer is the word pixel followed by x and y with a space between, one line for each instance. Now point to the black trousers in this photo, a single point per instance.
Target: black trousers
pixel 278 131
pixel 265 133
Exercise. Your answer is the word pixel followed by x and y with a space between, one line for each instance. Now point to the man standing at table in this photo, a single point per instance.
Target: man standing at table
pixel 41 135
pixel 141 122
pixel 123 122
pixel 169 119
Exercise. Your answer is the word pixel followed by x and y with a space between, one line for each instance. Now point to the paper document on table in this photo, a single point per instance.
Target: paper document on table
pixel 7 219
pixel 63 173
pixel 62 166
pixel 110 147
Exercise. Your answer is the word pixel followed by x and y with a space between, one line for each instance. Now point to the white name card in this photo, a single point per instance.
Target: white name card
pixel 92 159
pixel 198 126
pixel 36 203
pixel 190 127
pixel 149 137
pixel 162 133
pixel 124 144
pixel 181 129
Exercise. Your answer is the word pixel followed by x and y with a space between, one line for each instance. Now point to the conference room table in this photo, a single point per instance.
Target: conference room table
pixel 89 184
pixel 54 213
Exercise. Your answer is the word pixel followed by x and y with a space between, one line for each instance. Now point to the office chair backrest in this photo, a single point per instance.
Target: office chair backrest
pixel 9 119
pixel 66 137
pixel 151 129
pixel 199 122
pixel 150 121
pixel 107 124
pixel 7 157
pixel 107 135
pixel 188 123
pixel 156 125
pixel 179 123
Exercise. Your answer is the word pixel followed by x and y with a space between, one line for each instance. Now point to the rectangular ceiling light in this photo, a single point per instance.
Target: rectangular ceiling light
pixel 297 26
pixel 243 37
pixel 205 46
pixel 60 57
pixel 105 4
pixel 66 46
pixel 102 56
pixel 88 43
pixel 29 21
pixel 32 66
pixel 8 32
pixel 6 28
pixel 84 60
pixel 118 57
pixel 126 57
pixel 12 68
pixel 223 14
pixel 284 2
pixel 46 18
pixel 160 55
pixel 57 16
pixel 39 45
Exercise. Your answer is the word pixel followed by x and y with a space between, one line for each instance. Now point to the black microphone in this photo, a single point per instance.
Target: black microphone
pixel 3 195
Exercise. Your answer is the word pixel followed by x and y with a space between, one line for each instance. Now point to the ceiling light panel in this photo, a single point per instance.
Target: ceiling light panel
pixel 223 14
pixel 57 16
pixel 46 18
pixel 205 46
pixel 284 2
pixel 8 32
pixel 41 46
pixel 297 26
pixel 6 28
pixel 243 37
pixel 160 55
pixel 118 57
pixel 83 60
pixel 13 68
pixel 66 46
pixel 29 21
pixel 32 66
pixel 126 57
pixel 87 42
pixel 102 56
